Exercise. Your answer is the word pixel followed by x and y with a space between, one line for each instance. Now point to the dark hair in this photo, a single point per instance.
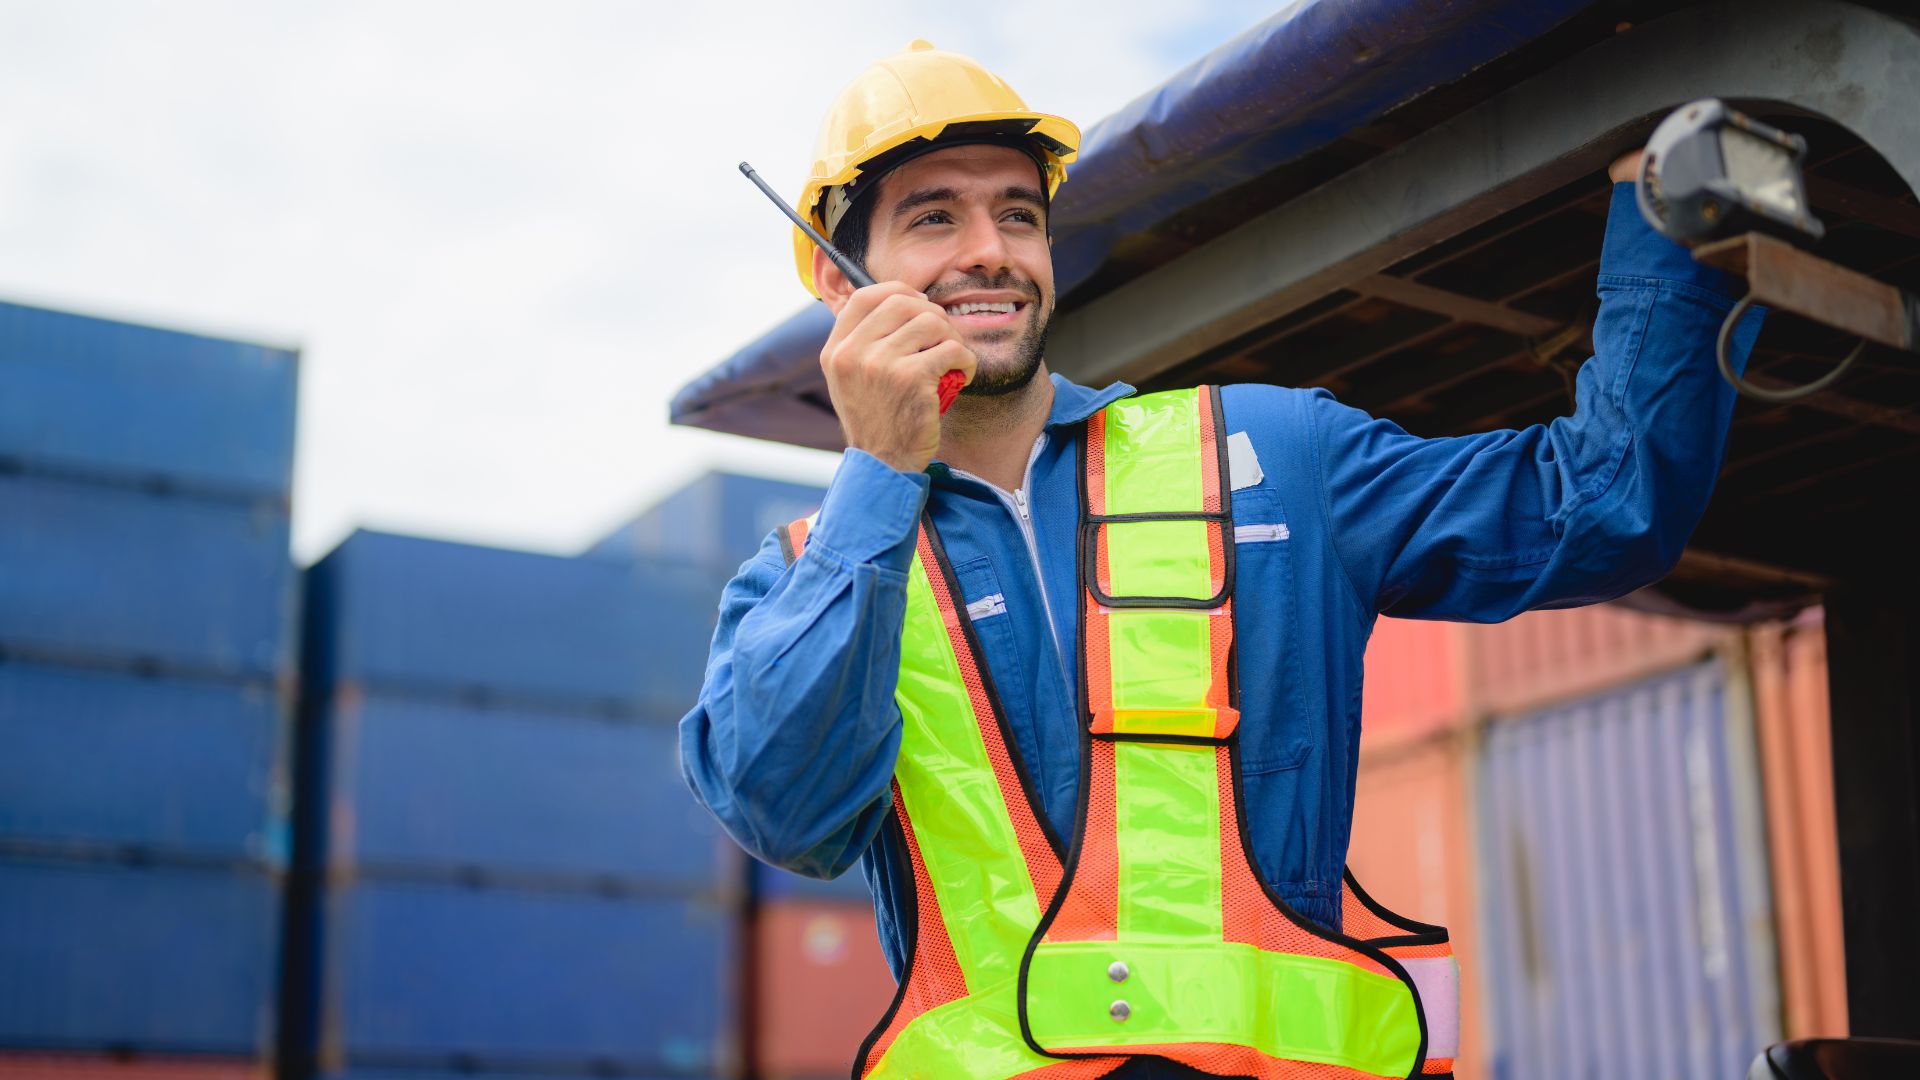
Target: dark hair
pixel 855 231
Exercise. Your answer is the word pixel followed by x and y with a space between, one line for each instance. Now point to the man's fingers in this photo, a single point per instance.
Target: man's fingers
pixel 951 355
pixel 862 305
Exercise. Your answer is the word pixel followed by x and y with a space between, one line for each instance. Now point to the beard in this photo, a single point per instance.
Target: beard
pixel 1028 343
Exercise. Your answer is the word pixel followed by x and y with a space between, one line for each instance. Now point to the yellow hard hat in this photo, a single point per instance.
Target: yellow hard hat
pixel 906 103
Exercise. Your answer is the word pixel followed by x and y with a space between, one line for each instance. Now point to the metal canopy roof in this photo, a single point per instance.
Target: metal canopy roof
pixel 1435 266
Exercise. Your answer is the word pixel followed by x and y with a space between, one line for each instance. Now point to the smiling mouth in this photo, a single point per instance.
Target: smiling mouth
pixel 998 313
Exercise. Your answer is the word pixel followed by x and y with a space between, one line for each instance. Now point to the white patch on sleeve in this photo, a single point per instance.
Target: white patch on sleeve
pixel 1260 534
pixel 1243 465
pixel 987 605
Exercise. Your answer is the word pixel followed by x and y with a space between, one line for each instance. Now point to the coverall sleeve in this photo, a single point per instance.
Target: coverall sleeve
pixel 792 744
pixel 1587 508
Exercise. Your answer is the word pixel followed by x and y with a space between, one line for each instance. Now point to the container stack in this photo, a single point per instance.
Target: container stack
pixel 814 980
pixel 1606 807
pixel 501 870
pixel 146 669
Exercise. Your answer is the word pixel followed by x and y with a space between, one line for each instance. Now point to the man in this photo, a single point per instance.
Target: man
pixel 959 594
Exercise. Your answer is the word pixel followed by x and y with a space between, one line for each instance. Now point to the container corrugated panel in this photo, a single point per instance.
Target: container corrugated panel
pixel 185 584
pixel 1542 657
pixel 152 957
pixel 820 984
pixel 1415 681
pixel 718 520
pixel 422 973
pixel 1412 850
pixel 156 407
pixel 93 760
pixel 430 783
pixel 398 611
pixel 18 1066
pixel 773 883
pixel 1626 928
pixel 1796 753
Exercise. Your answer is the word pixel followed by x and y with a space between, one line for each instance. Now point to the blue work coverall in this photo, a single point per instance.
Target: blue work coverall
pixel 792 744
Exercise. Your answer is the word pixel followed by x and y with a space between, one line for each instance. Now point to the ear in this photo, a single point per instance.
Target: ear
pixel 832 285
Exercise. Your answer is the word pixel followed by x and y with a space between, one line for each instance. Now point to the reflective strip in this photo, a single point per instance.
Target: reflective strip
pixel 1286 1005
pixel 972 856
pixel 1153 454
pixel 1438 979
pixel 1167 818
pixel 977 1036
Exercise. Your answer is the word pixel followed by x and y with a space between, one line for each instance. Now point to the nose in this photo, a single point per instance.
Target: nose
pixel 983 246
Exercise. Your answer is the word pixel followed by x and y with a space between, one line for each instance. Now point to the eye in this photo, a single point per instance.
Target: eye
pixel 1028 216
pixel 933 217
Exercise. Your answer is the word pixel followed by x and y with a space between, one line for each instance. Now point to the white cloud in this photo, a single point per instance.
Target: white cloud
pixel 503 234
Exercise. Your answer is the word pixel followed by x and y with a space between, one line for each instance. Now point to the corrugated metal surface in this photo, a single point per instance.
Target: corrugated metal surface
pixel 718 520
pixel 1415 683
pixel 1412 850
pixel 424 783
pixel 1547 656
pixel 1625 926
pixel 95 760
pixel 158 957
pixel 427 974
pixel 186 584
pixel 399 611
pixel 157 407
pixel 123 1067
pixel 1790 710
pixel 820 984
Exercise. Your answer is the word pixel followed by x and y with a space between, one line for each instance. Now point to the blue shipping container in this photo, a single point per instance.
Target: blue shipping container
pixel 187 584
pixel 1625 916
pixel 169 766
pixel 399 611
pixel 508 978
pixel 425 783
pixel 717 520
pixel 156 958
pixel 154 406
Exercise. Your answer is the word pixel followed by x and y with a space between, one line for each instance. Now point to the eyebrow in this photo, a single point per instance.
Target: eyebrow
pixel 1018 193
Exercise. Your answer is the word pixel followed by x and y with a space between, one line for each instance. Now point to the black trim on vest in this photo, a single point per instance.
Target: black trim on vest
pixel 1418 933
pixel 785 533
pixel 898 835
pixel 1091 522
pixel 1239 789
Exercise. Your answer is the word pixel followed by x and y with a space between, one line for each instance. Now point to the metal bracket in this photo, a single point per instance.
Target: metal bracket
pixel 1782 276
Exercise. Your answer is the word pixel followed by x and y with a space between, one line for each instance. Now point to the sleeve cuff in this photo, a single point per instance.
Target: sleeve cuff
pixel 871 511
pixel 1632 249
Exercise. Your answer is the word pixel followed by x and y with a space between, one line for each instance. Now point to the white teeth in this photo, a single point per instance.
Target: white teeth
pixel 1004 308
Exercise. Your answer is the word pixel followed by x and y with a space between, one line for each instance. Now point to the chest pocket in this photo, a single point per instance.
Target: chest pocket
pixel 1267 629
pixel 992 623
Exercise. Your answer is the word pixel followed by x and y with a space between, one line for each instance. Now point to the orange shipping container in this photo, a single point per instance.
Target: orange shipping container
pixel 15 1066
pixel 1789 667
pixel 820 983
pixel 1543 657
pixel 1411 850
pixel 1415 681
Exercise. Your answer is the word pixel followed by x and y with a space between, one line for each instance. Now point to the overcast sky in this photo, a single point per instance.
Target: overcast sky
pixel 501 234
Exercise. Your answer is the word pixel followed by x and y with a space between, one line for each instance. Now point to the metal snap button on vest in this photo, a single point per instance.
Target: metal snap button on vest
pixel 1117 971
pixel 1119 1010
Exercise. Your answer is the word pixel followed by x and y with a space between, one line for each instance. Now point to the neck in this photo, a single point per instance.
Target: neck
pixel 991 437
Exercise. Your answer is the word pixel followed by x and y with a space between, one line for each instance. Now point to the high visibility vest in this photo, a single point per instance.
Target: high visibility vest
pixel 1156 934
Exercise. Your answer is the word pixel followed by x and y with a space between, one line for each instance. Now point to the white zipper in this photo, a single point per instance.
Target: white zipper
pixel 1017 502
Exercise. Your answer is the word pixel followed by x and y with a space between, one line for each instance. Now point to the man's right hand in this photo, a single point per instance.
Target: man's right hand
pixel 883 363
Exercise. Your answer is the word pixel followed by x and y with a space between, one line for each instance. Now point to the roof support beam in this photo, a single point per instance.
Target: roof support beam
pixel 1857 66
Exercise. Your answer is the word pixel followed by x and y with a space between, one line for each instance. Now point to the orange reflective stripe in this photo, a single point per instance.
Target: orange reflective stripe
pixel 934 976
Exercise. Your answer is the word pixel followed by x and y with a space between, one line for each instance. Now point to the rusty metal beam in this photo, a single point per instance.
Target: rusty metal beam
pixel 1877 210
pixel 1782 276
